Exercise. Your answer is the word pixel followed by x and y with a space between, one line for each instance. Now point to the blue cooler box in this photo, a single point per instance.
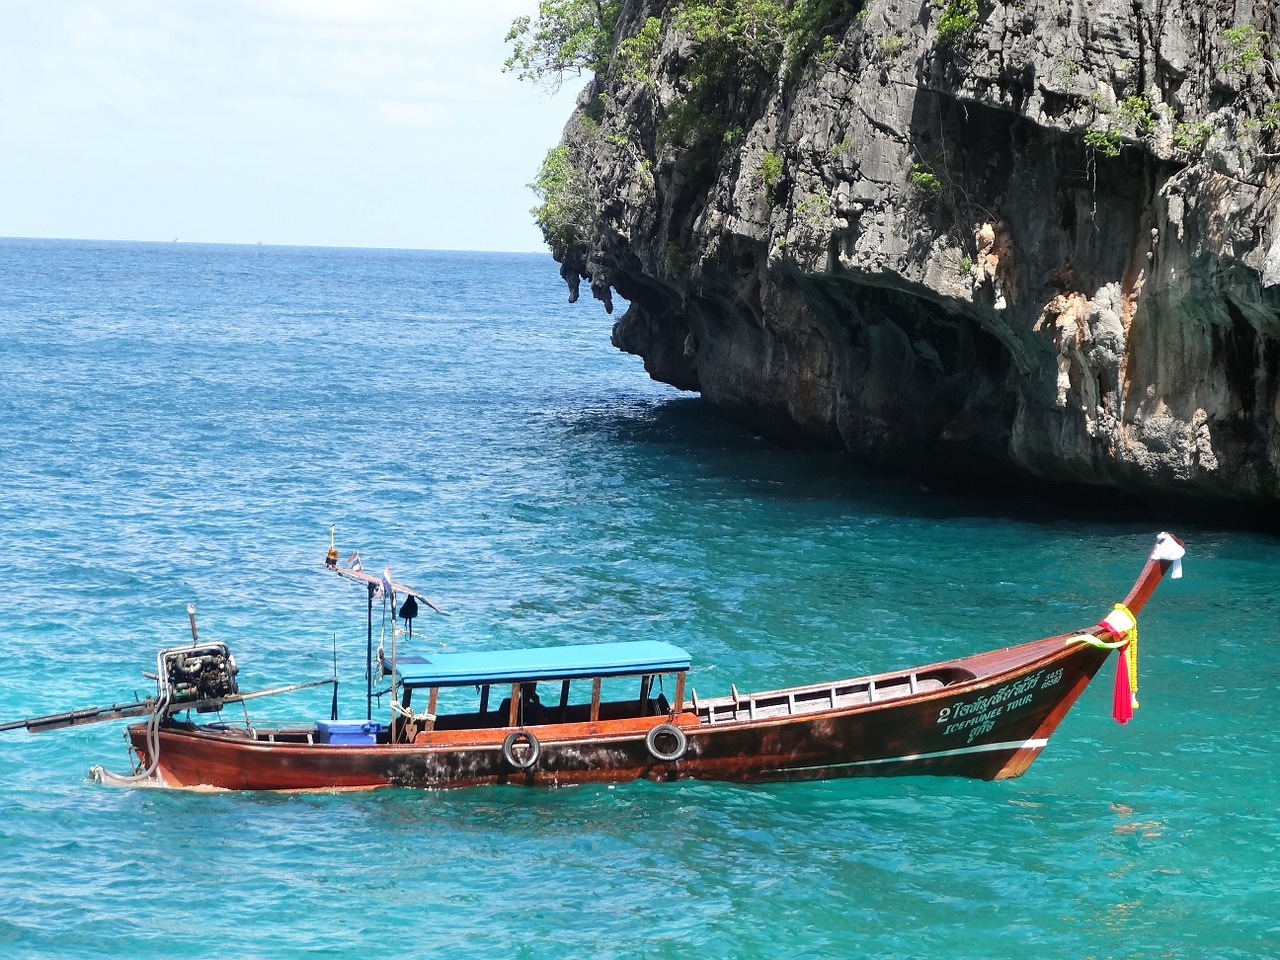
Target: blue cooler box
pixel 347 732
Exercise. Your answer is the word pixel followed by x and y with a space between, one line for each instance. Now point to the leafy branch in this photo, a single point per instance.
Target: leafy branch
pixel 566 37
pixel 564 214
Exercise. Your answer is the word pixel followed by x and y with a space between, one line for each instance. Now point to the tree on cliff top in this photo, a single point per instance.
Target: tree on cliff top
pixel 567 36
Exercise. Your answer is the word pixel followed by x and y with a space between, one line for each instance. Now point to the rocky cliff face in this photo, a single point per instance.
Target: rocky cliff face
pixel 1043 244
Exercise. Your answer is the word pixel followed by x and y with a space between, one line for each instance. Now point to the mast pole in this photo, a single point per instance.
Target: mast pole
pixel 368 662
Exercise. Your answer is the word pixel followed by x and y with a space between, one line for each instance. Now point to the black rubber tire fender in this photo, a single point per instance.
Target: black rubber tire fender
pixel 508 749
pixel 666 730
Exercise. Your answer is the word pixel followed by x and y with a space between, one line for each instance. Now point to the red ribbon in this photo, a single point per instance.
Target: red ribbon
pixel 1122 696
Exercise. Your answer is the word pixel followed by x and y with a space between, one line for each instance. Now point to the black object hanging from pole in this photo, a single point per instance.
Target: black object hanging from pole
pixel 409 610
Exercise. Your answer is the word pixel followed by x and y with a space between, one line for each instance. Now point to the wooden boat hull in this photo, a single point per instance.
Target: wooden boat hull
pixel 991 726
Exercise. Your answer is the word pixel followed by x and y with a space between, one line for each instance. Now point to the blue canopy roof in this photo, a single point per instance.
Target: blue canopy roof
pixel 548 663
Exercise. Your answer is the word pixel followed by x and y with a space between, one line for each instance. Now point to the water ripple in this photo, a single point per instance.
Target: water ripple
pixel 184 423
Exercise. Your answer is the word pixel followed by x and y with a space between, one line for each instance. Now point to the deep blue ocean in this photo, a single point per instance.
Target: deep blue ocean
pixel 183 423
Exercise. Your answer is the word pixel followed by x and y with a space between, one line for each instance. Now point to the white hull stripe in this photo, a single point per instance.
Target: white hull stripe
pixel 1037 744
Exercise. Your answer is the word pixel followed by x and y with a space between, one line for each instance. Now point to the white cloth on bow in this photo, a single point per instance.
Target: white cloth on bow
pixel 1167 548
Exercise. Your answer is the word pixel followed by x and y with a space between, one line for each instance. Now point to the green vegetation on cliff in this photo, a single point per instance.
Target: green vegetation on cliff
pixel 567 36
pixel 959 18
pixel 564 214
pixel 737 47
pixel 764 33
pixel 635 54
pixel 570 36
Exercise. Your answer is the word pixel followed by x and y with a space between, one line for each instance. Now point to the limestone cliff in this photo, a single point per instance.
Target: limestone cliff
pixel 1041 243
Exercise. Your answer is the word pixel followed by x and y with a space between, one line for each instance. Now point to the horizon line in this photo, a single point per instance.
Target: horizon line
pixel 263 243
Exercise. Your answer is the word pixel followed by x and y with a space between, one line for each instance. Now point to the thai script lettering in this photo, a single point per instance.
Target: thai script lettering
pixel 985 727
pixel 978 716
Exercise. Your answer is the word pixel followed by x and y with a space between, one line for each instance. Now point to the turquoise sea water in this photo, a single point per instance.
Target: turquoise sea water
pixel 183 423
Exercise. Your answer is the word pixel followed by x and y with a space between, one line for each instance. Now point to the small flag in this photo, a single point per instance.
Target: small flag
pixel 353 562
pixel 384 588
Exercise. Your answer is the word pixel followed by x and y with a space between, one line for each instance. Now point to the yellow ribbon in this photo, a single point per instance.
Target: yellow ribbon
pixel 1131 652
pixel 1127 644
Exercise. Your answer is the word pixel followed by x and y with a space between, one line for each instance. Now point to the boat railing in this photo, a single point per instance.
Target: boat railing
pixel 833 696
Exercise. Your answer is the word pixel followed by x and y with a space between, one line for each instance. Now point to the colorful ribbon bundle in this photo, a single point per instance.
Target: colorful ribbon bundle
pixel 1122 626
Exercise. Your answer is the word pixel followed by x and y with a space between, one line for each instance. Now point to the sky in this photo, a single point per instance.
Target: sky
pixel 358 123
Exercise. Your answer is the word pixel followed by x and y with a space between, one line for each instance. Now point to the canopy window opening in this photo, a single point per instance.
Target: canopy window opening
pixel 531 703
pixel 585 683
pixel 622 698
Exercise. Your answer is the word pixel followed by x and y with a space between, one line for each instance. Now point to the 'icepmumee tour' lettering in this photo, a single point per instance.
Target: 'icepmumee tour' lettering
pixel 978 716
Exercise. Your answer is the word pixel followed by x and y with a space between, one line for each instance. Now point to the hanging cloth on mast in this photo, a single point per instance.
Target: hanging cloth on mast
pixel 409 610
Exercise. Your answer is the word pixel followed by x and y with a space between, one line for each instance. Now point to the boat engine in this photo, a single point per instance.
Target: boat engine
pixel 204 672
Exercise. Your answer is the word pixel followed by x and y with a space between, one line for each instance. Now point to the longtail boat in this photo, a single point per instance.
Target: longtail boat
pixel 619 711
